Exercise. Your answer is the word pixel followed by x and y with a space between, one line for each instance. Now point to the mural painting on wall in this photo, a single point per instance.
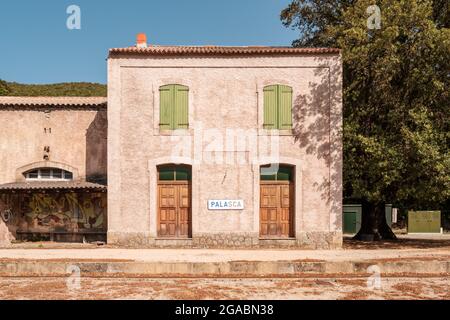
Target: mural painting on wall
pixel 70 212
pixel 8 206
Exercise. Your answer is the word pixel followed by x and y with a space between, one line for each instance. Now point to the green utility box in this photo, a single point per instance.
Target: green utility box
pixel 351 217
pixel 424 222
pixel 388 211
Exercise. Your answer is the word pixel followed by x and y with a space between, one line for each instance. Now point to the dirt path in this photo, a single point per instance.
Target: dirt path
pixel 215 255
pixel 298 288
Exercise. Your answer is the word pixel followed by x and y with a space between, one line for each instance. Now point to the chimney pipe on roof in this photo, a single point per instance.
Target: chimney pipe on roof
pixel 141 40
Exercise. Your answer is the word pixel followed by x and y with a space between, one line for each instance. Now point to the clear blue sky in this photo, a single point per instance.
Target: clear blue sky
pixel 37 47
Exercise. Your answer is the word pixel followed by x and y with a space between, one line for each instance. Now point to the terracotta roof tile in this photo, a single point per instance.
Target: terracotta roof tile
pixel 220 50
pixel 53 101
pixel 51 185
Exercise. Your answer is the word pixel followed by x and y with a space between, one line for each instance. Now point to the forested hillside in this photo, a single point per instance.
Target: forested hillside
pixel 81 89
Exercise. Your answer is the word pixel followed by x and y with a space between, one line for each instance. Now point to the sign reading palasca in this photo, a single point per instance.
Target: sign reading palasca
pixel 225 204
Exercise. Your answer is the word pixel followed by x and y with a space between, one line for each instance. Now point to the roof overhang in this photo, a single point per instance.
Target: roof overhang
pixel 219 50
pixel 38 186
pixel 81 102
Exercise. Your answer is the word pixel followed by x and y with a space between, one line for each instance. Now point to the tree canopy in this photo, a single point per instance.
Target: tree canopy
pixel 396 95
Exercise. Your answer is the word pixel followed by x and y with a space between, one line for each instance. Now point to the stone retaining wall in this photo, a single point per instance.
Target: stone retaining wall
pixel 306 240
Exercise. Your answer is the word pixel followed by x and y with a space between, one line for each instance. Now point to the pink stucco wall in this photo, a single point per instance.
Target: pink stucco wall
pixel 77 140
pixel 226 95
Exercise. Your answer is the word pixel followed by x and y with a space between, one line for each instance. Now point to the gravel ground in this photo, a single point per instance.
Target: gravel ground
pixel 347 288
pixel 332 287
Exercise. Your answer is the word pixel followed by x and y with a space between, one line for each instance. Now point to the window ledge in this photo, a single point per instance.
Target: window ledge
pixel 178 132
pixel 275 132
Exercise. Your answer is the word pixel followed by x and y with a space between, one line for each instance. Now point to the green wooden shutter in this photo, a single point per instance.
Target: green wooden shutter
pixel 174 107
pixel 270 107
pixel 181 116
pixel 284 107
pixel 166 109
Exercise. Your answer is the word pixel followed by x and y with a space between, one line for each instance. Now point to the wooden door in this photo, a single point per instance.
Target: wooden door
pixel 276 210
pixel 174 214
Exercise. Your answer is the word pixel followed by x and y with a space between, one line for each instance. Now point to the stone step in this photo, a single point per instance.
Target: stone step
pixel 111 268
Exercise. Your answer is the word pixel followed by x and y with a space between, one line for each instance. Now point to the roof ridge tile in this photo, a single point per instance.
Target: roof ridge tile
pixel 223 50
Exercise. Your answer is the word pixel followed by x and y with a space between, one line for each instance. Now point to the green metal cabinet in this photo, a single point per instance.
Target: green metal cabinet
pixel 350 222
pixel 388 211
pixel 351 218
pixel 352 215
pixel 424 221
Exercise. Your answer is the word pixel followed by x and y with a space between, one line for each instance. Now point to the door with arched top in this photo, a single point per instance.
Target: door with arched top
pixel 277 190
pixel 174 201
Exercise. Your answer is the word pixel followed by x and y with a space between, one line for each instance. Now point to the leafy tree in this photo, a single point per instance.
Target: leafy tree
pixel 441 13
pixel 396 100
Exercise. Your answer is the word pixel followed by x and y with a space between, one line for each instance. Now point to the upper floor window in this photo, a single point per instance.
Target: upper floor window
pixel 48 174
pixel 278 107
pixel 174 107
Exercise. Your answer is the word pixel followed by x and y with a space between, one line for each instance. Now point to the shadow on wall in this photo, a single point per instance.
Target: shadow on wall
pixel 313 121
pixel 96 149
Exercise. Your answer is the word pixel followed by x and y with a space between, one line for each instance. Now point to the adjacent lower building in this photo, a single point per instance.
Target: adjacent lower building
pixel 53 164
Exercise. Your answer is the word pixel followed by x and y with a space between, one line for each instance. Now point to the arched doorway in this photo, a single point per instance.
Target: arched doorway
pixel 277 201
pixel 174 201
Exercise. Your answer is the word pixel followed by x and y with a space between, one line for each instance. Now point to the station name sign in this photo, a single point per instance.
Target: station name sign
pixel 225 204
